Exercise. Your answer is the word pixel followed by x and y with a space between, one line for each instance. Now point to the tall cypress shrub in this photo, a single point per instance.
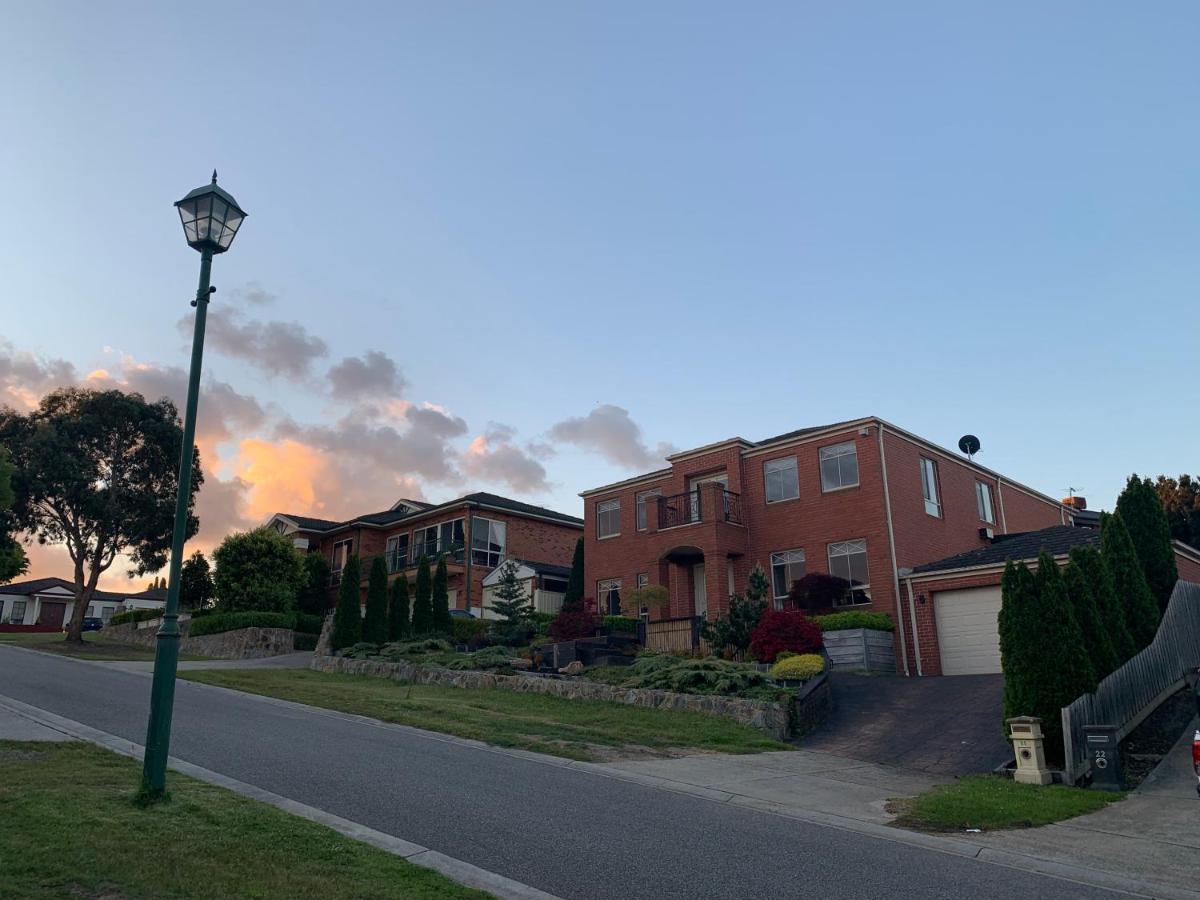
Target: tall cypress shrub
pixel 1096 640
pixel 441 599
pixel 1133 593
pixel 1142 512
pixel 1104 592
pixel 347 617
pixel 573 598
pixel 422 614
pixel 374 624
pixel 1018 618
pixel 399 623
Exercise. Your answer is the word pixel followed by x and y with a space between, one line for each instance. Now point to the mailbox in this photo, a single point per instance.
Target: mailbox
pixel 1026 737
pixel 1104 753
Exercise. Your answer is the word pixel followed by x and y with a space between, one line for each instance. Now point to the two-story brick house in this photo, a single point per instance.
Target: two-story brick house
pixel 474 533
pixel 864 500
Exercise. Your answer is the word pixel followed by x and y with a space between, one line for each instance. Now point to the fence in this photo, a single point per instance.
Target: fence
pixel 679 635
pixel 1136 689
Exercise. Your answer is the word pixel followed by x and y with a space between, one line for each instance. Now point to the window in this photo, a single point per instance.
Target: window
pixel 848 560
pixel 839 466
pixel 91 613
pixel 929 487
pixel 106 614
pixel 487 542
pixel 341 552
pixel 641 506
pixel 643 581
pixel 786 568
pixel 608 518
pixel 397 552
pixel 609 595
pixel 434 540
pixel 983 497
pixel 18 611
pixel 782 479
pixel 554 585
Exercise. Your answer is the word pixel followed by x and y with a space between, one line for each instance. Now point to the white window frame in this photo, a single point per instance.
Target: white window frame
pixel 983 500
pixel 602 589
pixel 396 563
pixel 606 508
pixel 860 594
pixel 929 487
pixel 441 544
pixel 485 556
pixel 785 559
pixel 334 566
pixel 838 452
pixel 780 466
pixel 23 605
pixel 642 497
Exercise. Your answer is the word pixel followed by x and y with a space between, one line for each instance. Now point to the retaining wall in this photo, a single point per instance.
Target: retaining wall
pixel 243 643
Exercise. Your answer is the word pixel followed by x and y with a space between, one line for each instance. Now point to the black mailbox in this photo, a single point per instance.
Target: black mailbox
pixel 1104 752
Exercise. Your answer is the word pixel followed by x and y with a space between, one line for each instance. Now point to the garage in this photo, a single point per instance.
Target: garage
pixel 968 630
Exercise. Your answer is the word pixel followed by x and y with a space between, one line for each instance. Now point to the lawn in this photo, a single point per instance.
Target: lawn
pixel 989 802
pixel 575 729
pixel 94 646
pixel 72 830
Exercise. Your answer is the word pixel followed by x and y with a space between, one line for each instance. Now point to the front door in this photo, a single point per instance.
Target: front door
pixel 52 614
pixel 699 591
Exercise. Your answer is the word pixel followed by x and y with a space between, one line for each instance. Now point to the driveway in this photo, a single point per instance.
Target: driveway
pixel 941 726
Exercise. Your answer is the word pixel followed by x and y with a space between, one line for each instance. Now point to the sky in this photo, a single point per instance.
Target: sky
pixel 533 247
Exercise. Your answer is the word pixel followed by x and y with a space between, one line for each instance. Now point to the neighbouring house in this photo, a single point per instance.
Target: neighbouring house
pixel 51 601
pixel 952 605
pixel 474 534
pixel 544 584
pixel 863 500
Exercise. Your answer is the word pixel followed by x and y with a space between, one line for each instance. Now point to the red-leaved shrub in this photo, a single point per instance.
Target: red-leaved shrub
pixel 579 622
pixel 784 629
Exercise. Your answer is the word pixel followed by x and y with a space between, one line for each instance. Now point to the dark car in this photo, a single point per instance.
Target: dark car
pixel 461 614
pixel 92 623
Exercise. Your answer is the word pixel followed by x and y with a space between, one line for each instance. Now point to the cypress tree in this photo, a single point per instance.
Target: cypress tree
pixel 374 626
pixel 1018 615
pixel 347 618
pixel 1104 592
pixel 1133 593
pixel 399 625
pixel 441 599
pixel 573 598
pixel 422 613
pixel 1142 512
pixel 1096 640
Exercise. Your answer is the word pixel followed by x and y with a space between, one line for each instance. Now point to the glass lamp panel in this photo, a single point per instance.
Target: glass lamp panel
pixel 234 218
pixel 219 209
pixel 187 211
pixel 225 239
pixel 189 231
pixel 203 204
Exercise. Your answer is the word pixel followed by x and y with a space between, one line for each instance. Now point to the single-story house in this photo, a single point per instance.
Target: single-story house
pixel 953 604
pixel 544 583
pixel 50 601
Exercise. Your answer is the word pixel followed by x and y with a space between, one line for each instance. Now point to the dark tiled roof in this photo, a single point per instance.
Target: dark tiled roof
pixel 308 523
pixel 549 569
pixel 801 432
pixel 1058 540
pixel 391 516
pixel 150 594
pixel 518 507
pixel 37 585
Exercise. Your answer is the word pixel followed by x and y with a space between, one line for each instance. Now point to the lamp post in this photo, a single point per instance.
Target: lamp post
pixel 211 218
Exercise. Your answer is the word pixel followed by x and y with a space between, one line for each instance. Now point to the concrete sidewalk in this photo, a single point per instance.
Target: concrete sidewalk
pixel 14 727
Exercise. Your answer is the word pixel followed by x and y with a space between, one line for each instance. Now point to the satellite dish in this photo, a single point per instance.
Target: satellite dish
pixel 969 444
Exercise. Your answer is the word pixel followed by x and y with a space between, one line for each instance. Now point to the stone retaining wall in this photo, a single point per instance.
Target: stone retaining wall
pixel 773 718
pixel 244 643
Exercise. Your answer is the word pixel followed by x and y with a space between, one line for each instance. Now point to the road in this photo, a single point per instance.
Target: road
pixel 568 832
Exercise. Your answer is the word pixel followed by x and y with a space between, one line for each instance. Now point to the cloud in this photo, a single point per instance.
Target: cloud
pixel 24 377
pixel 609 431
pixel 277 348
pixel 254 294
pixel 374 376
pixel 494 457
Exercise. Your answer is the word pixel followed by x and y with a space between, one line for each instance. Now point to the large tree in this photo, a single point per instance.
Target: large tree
pixel 12 557
pixel 196 587
pixel 1108 605
pixel 1180 498
pixel 313 596
pixel 441 598
pixel 374 627
pixel 1142 511
pixel 573 598
pixel 1092 625
pixel 258 570
pixel 1133 593
pixel 97 471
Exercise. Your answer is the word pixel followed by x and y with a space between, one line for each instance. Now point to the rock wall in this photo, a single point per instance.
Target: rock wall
pixel 244 643
pixel 773 718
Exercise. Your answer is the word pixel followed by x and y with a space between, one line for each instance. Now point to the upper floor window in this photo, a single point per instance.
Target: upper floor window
pixel 782 479
pixel 397 552
pixel 433 540
pixel 929 487
pixel 487 542
pixel 641 506
pixel 839 466
pixel 787 567
pixel 983 498
pixel 341 552
pixel 608 593
pixel 608 518
pixel 848 560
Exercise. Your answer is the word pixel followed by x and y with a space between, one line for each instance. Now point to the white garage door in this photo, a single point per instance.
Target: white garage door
pixel 968 630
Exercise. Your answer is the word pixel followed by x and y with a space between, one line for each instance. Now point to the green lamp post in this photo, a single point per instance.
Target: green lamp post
pixel 211 218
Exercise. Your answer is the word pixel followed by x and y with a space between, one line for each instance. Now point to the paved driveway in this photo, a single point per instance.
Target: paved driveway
pixel 942 726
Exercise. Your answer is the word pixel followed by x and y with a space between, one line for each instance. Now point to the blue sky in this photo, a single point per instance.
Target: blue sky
pixel 719 218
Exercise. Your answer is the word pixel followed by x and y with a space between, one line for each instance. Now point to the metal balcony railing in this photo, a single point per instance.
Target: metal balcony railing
pixel 402 560
pixel 701 505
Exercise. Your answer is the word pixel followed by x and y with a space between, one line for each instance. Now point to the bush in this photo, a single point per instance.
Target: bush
pixel 490 658
pixel 257 570
pixel 541 622
pixel 844 621
pixel 136 615
pixel 398 650
pixel 303 641
pixel 816 590
pixel 799 668
pixel 621 624
pixel 572 624
pixel 347 617
pixel 231 621
pixel 479 641
pixel 690 676
pixel 306 623
pixel 784 629
pixel 374 623
pixel 464 629
pixel 362 650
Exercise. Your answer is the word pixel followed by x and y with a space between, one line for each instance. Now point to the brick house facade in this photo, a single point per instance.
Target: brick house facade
pixel 474 533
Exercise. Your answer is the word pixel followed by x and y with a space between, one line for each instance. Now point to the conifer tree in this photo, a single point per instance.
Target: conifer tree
pixel 441 599
pixel 1018 614
pixel 399 623
pixel 1104 592
pixel 1133 593
pixel 757 586
pixel 1142 512
pixel 347 617
pixel 374 626
pixel 573 598
pixel 422 613
pixel 510 599
pixel 1096 640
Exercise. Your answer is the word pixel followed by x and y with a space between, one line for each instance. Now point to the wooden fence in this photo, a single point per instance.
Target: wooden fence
pixel 679 635
pixel 1136 689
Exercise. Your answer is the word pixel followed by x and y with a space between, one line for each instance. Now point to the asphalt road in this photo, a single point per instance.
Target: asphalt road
pixel 571 833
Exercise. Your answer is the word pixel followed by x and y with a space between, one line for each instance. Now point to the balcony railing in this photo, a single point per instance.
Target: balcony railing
pixel 701 505
pixel 402 560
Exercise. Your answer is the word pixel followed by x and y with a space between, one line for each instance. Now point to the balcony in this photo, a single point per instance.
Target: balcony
pixel 706 504
pixel 455 554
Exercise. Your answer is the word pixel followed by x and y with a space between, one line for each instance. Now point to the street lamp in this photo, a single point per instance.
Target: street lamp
pixel 211 218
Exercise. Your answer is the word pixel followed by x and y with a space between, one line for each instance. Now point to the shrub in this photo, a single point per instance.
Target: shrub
pixel 231 621
pixel 136 615
pixel 257 569
pixel 1104 590
pixel 399 614
pixel 441 598
pixel 422 611
pixel 362 650
pixel 374 626
pixel 572 624
pixel 1141 610
pixel 313 596
pixel 541 622
pixel 464 629
pixel 195 582
pixel 799 668
pixel 1142 512
pixel 732 632
pixel 347 618
pixel 306 623
pixel 573 598
pixel 489 658
pixel 694 676
pixel 816 590
pixel 479 641
pixel 304 641
pixel 621 624
pixel 844 621
pixel 1096 640
pixel 784 629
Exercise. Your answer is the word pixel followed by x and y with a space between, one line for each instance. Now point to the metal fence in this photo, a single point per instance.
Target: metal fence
pixel 1136 689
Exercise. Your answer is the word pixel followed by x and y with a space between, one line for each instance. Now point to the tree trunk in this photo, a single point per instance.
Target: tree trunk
pixel 83 596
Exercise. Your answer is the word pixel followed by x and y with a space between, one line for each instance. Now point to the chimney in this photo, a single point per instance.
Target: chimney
pixel 1076 503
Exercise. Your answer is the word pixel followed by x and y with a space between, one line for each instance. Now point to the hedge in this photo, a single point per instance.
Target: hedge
pixel 215 624
pixel 134 615
pixel 799 668
pixel 308 623
pixel 304 641
pixel 464 629
pixel 844 621
pixel 622 624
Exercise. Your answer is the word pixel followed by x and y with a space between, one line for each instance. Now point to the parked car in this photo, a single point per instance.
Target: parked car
pixel 92 623
pixel 462 614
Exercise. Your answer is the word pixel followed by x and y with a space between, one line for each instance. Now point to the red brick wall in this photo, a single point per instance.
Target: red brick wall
pixel 931 660
pixel 1189 569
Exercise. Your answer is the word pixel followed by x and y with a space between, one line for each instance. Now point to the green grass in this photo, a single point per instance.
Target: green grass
pixel 94 646
pixel 990 802
pixel 71 829
pixel 575 729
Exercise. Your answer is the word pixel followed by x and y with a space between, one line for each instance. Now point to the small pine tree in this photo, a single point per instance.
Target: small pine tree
pixel 347 618
pixel 1096 640
pixel 1133 593
pixel 573 598
pixel 441 599
pixel 399 624
pixel 757 586
pixel 374 626
pixel 1142 512
pixel 510 599
pixel 422 613
pixel 1104 592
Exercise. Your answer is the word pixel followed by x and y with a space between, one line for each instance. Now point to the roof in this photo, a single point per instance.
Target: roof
pixel 308 523
pixel 1057 540
pixel 149 594
pixel 41 585
pixel 549 569
pixel 801 432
